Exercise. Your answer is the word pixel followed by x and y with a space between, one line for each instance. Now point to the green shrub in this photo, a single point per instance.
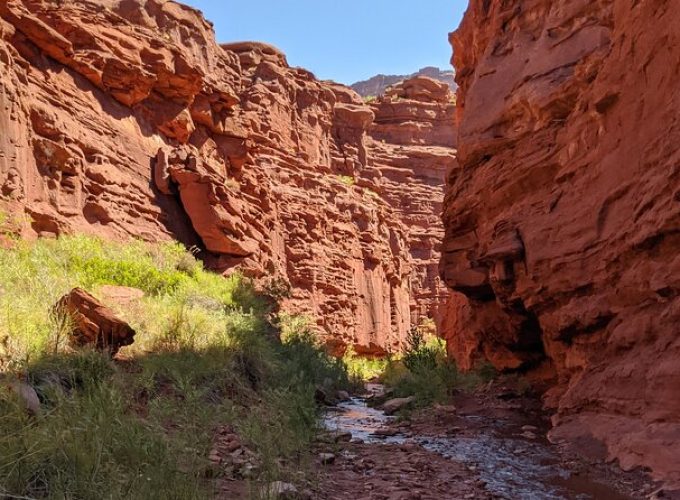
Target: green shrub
pixel 421 356
pixel 308 363
pixel 86 440
pixel 362 369
pixel 426 372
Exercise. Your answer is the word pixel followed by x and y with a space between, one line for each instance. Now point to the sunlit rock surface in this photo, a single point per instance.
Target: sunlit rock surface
pixel 125 118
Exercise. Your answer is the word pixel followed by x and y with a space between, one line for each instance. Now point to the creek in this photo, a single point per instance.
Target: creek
pixel 511 464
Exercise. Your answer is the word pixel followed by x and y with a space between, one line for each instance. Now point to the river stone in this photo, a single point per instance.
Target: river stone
pixel 394 405
pixel 386 432
pixel 322 398
pixel 343 437
pixel 27 396
pixel 326 458
pixel 282 491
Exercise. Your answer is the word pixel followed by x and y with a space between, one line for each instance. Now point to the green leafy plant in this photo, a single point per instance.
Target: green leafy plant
pixel 362 369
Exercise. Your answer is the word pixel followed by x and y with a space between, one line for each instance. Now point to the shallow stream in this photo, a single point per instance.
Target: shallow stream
pixel 511 466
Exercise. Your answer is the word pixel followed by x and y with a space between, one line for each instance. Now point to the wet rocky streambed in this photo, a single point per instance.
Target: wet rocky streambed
pixel 498 451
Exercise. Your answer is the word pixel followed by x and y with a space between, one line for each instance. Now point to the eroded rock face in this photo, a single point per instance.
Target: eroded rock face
pixel 125 118
pixel 413 148
pixel 563 218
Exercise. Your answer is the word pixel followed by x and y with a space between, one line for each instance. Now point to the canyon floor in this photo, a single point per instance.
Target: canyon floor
pixel 486 444
pixel 259 226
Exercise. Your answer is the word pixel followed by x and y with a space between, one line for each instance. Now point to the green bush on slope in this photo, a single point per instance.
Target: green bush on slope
pixel 143 427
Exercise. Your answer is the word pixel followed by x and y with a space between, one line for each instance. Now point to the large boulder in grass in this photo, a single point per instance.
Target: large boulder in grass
pixel 93 323
pixel 26 395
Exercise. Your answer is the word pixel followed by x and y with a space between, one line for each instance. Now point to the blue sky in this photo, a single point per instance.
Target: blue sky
pixel 343 40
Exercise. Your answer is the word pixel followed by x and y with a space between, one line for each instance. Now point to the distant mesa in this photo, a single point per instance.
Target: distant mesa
pixel 378 84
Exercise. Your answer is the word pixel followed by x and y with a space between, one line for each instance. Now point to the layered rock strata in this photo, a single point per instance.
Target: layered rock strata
pixel 125 118
pixel 563 217
pixel 413 149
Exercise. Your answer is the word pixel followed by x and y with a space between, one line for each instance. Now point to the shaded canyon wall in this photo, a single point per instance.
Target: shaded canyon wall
pixel 563 217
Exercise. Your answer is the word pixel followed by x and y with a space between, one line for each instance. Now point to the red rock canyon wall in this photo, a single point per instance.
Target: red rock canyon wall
pixel 563 217
pixel 125 118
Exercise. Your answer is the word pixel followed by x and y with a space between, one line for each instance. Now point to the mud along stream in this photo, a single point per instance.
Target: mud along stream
pixel 489 444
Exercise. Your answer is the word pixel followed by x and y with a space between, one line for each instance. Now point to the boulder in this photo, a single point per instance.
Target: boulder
pixel 342 396
pixel 26 395
pixel 343 437
pixel 392 406
pixel 321 397
pixel 92 323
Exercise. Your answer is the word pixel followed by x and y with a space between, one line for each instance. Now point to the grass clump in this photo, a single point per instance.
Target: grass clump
pixel 206 355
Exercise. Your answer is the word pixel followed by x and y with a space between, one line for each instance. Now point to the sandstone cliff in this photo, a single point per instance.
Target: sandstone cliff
pixel 125 118
pixel 378 84
pixel 563 218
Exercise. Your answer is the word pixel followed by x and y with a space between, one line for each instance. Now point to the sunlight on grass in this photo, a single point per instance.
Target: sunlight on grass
pixel 364 369
pixel 205 355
